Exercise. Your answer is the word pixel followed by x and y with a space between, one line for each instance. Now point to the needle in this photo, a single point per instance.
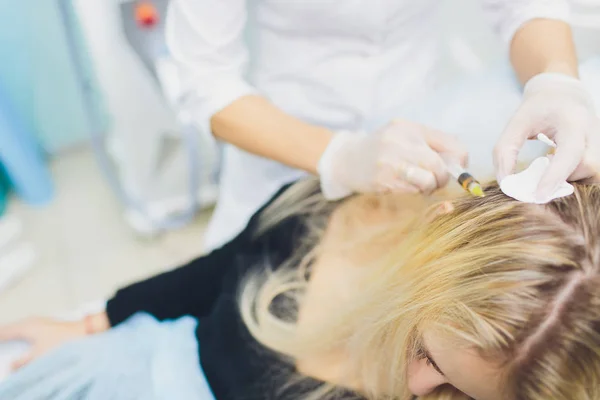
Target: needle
pixel 464 179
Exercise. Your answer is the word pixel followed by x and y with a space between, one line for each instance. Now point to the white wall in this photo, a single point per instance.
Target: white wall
pixel 470 37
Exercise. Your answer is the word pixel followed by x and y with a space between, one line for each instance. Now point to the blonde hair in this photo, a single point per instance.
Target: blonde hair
pixel 519 283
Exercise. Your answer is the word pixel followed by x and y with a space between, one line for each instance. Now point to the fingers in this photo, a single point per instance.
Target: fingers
pixel 412 152
pixel 389 181
pixel 589 168
pixel 21 362
pixel 564 162
pixel 448 145
pixel 441 142
pixel 406 177
pixel 17 331
pixel 423 179
pixel 512 140
pixel 430 165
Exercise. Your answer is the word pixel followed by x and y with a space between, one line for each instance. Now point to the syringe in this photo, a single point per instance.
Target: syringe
pixel 464 179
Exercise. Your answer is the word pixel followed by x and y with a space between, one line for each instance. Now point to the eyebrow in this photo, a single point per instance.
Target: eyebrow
pixel 432 361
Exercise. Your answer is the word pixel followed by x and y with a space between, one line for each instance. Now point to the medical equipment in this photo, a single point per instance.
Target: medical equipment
pixel 4 187
pixel 464 179
pixel 146 14
pixel 161 166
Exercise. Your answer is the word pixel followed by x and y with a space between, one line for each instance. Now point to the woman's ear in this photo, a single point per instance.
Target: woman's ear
pixel 444 208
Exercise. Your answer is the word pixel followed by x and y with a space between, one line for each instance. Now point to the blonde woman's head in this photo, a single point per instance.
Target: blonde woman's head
pixel 484 298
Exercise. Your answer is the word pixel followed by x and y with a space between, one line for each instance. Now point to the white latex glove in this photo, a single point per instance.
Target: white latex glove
pixel 403 156
pixel 560 107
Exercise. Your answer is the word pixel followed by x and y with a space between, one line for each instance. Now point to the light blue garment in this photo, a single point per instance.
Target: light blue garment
pixel 21 157
pixel 139 359
pixel 38 73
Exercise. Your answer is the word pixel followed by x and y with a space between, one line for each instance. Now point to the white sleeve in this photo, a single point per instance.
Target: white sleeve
pixel 507 16
pixel 206 39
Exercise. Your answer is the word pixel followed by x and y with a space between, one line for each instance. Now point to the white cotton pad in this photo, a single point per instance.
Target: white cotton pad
pixel 522 186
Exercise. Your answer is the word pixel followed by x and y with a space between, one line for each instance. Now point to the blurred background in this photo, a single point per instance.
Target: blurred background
pixel 104 179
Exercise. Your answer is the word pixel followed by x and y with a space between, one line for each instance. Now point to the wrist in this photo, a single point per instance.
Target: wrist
pixel 321 139
pixel 562 68
pixel 332 186
pixel 96 323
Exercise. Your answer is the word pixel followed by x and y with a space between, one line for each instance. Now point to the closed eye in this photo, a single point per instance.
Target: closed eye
pixel 424 354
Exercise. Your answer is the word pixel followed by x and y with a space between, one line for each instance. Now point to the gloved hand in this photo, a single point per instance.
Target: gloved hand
pixel 560 107
pixel 403 156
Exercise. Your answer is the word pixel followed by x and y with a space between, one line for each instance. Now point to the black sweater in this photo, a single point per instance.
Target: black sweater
pixel 236 366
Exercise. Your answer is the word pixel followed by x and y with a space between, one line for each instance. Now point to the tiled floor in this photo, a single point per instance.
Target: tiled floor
pixel 84 249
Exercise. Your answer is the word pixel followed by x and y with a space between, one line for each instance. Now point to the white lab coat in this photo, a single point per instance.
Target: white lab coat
pixel 340 64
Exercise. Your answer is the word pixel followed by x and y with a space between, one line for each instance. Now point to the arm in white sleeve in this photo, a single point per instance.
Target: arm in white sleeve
pixel 507 16
pixel 205 37
pixel 538 35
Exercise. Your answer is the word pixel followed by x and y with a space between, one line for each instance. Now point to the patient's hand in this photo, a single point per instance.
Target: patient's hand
pixel 44 334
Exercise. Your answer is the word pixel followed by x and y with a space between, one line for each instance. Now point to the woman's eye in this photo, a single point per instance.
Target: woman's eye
pixel 430 363
pixel 423 355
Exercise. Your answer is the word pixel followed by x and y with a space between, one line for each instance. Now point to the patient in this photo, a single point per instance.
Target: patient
pixel 374 297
